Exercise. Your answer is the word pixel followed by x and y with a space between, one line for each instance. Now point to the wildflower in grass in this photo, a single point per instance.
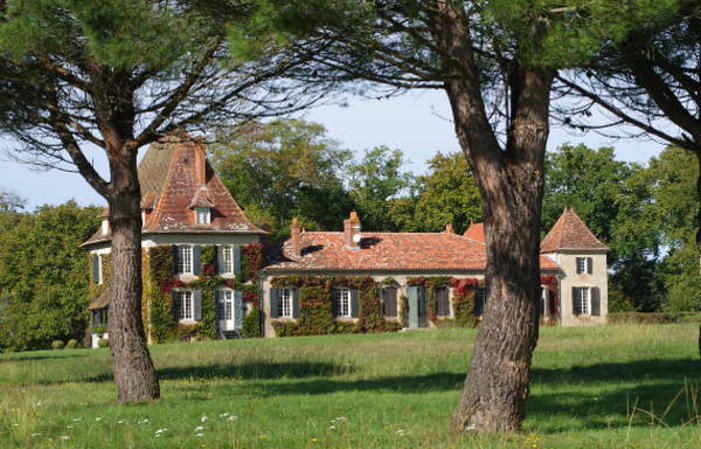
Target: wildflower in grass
pixel 199 435
pixel 69 426
pixel 77 419
pixel 386 427
pixel 199 428
pixel 15 424
pixel 34 435
pixel 262 437
pixel 160 431
pixel 98 419
pixel 314 440
pixel 332 427
pixel 224 415
pixel 121 421
pixel 64 437
pixel 203 419
pixel 143 421
pixel 595 399
pixel 233 418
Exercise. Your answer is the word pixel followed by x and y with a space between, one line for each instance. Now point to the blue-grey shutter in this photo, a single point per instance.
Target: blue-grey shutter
pixel 574 301
pixel 217 261
pixel 422 305
pixel 176 305
pixel 175 259
pixel 238 309
pixel 595 301
pixel 590 265
pixel 354 303
pixel 217 307
pixel 295 303
pixel 334 306
pixel 274 299
pixel 237 259
pixel 197 305
pixel 95 269
pixel 197 260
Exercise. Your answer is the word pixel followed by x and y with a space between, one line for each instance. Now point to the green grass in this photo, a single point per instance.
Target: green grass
pixel 616 386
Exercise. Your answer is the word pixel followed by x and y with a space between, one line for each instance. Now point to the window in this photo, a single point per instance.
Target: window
pixel 480 297
pixel 202 215
pixel 185 311
pixel 581 301
pixel 228 267
pixel 284 305
pixel 442 296
pixel 342 300
pixel 185 259
pixel 389 302
pixel 584 265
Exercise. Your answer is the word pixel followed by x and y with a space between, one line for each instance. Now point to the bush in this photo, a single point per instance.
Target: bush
pixel 251 324
pixel 103 343
pixel 642 318
pixel 57 344
pixel 72 343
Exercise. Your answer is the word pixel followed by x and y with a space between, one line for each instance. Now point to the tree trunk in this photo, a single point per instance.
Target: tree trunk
pixel 133 369
pixel 698 230
pixel 511 186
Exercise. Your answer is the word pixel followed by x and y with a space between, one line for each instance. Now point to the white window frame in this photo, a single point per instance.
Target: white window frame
pixel 585 264
pixel 284 304
pixel 185 264
pixel 545 300
pixel 228 259
pixel 228 299
pixel 342 297
pixel 203 216
pixel 186 313
pixel 584 300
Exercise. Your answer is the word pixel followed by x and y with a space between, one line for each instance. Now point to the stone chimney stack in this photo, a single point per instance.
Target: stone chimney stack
pixel 200 163
pixel 296 238
pixel 351 231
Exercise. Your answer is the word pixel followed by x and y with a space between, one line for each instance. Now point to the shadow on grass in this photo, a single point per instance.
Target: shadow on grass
pixel 28 357
pixel 256 371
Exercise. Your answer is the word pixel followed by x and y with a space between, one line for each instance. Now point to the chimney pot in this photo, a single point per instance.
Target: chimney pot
pixel 296 238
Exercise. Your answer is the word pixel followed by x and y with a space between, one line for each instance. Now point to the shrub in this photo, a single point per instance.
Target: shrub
pixel 103 343
pixel 72 343
pixel 57 344
pixel 251 324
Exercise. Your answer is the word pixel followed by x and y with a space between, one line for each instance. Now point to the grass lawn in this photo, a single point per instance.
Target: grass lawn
pixel 615 386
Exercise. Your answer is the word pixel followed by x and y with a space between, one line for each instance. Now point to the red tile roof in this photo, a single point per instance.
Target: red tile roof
pixel 169 184
pixel 570 233
pixel 386 251
pixel 475 232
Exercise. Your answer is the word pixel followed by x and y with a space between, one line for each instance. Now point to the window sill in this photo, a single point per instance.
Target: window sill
pixel 347 319
pixel 284 320
pixel 187 322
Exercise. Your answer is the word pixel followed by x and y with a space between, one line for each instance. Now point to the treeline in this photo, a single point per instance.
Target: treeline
pixel 291 168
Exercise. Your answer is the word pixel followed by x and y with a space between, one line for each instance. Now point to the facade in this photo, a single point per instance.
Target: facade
pixel 208 274
pixel 191 222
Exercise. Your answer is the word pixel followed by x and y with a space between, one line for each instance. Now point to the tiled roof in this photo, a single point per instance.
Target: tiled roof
pixel 475 232
pixel 101 301
pixel 570 233
pixel 201 198
pixel 385 251
pixel 167 175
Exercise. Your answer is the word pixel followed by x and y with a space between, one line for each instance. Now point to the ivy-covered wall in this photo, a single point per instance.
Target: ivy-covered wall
pixel 316 311
pixel 159 283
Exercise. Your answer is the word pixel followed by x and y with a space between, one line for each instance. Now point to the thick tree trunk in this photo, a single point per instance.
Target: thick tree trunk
pixel 698 230
pixel 133 369
pixel 511 186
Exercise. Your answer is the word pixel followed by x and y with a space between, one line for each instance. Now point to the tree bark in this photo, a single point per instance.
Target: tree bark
pixel 133 368
pixel 511 186
pixel 698 230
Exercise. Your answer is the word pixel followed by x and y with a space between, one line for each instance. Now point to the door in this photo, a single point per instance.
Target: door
pixel 227 315
pixel 416 299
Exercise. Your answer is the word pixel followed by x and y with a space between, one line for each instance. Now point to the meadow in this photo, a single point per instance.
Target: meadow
pixel 631 386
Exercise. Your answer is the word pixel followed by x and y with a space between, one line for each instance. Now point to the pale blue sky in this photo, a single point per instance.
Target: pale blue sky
pixel 416 123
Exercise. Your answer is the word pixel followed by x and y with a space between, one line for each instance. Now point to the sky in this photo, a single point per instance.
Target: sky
pixel 418 123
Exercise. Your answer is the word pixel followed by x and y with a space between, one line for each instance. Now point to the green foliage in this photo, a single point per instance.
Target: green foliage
pixel 283 169
pixel 103 343
pixel 72 343
pixel 251 323
pixel 57 344
pixel 158 282
pixel 208 282
pixel 43 276
pixel 374 182
pixel 449 194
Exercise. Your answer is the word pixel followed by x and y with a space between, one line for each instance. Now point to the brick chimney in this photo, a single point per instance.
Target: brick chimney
pixel 200 163
pixel 296 238
pixel 351 231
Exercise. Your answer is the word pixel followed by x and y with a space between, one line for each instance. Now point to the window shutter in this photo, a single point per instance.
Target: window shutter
pixel 274 299
pixel 197 305
pixel 197 260
pixel 175 259
pixel 236 250
pixel 295 303
pixel 217 301
pixel 389 302
pixel 575 295
pixel 176 305
pixel 590 265
pixel 238 309
pixel 95 269
pixel 217 259
pixel 334 312
pixel 422 304
pixel 354 303
pixel 595 301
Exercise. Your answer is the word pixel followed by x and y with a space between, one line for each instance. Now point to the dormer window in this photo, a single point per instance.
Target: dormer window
pixel 202 216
